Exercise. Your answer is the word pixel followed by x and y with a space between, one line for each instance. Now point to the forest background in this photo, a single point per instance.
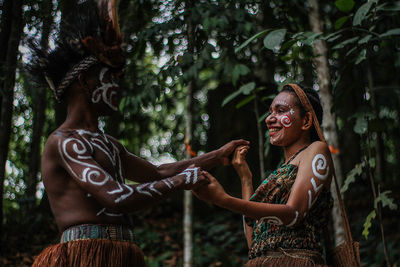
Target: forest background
pixel 215 64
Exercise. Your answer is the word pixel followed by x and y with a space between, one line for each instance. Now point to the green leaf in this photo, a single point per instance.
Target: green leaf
pixel 344 43
pixel 333 38
pixel 391 32
pixel 367 223
pixel 245 101
pixel 361 125
pixel 339 23
pixel 247 88
pixel 365 39
pixel 230 97
pixel 386 201
pixel 344 5
pixel 371 162
pixel 361 13
pixel 351 51
pixel 274 38
pixel 239 70
pixel 262 118
pixel 361 56
pixel 310 39
pixel 256 36
pixel 389 7
pixel 351 177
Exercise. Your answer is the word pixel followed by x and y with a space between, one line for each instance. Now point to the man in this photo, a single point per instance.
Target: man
pixel 83 169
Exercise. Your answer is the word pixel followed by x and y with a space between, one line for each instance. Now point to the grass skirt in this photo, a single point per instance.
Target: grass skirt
pixel 288 258
pixel 91 253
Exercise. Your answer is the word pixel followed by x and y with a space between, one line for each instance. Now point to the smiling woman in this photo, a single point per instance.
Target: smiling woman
pixel 286 215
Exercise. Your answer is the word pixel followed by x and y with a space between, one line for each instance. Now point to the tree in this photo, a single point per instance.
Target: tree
pixel 12 18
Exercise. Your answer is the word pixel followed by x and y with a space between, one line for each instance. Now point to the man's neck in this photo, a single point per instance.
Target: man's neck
pixel 80 116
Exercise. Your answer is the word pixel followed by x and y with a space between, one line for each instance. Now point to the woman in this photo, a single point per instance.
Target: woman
pixel 286 215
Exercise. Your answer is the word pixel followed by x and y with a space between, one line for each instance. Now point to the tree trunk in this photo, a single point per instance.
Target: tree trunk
pixel 188 197
pixel 39 108
pixel 7 87
pixel 329 119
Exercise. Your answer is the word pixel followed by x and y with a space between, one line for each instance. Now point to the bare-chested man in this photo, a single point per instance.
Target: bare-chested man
pixel 83 169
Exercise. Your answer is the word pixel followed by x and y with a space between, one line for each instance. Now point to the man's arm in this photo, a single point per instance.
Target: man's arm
pixel 140 170
pixel 74 154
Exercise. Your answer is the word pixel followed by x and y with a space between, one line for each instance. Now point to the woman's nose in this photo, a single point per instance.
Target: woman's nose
pixel 270 119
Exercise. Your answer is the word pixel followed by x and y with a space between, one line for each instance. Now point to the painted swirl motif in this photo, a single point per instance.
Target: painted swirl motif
pixel 272 220
pixel 320 164
pixel 286 121
pixel 104 91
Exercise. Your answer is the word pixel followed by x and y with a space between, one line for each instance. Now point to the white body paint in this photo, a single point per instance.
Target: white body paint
pixel 318 164
pixel 83 148
pixel 102 92
pixel 294 220
pixel 188 172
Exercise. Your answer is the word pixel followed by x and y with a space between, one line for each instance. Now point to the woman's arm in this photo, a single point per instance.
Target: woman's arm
pixel 315 172
pixel 243 170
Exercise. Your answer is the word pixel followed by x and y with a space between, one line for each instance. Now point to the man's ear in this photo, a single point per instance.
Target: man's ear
pixel 82 80
pixel 83 83
pixel 307 121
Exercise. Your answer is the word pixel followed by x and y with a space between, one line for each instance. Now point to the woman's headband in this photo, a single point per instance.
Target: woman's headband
pixel 308 107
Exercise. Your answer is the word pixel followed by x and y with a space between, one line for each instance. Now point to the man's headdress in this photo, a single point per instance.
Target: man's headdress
pixel 92 36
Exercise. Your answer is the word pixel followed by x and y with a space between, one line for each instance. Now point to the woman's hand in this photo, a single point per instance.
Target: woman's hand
pixel 239 156
pixel 239 162
pixel 213 192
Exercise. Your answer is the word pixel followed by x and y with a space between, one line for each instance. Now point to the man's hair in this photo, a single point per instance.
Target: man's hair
pixel 315 101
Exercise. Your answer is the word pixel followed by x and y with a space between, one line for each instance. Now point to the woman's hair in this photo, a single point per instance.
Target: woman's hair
pixel 315 101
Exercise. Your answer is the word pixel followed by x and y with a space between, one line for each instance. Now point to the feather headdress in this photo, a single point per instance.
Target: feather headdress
pixel 91 36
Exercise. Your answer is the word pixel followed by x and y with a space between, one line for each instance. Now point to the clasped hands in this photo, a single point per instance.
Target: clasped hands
pixel 213 192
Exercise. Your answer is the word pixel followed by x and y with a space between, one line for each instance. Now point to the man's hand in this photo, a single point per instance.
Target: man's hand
pixel 225 152
pixel 192 177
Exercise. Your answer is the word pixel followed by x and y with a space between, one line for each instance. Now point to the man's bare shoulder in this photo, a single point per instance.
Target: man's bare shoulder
pixel 59 139
pixel 121 148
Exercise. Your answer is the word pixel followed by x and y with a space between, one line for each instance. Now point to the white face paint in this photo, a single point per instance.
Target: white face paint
pixel 105 91
pixel 286 121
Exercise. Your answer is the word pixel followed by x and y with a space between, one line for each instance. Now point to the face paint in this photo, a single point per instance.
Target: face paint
pixel 286 121
pixel 105 91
